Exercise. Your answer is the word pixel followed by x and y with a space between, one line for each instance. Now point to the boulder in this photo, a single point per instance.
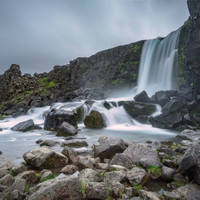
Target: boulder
pixel 7 180
pixel 71 154
pixel 136 176
pixel 45 157
pixel 167 173
pixel 69 169
pixel 20 111
pixel 55 118
pixel 24 126
pixel 161 98
pixel 89 175
pixel 3 172
pixel 19 168
pixel 6 163
pixel 95 190
pixel 138 152
pixel 122 160
pixel 190 135
pixel 134 108
pixel 146 162
pixel 75 144
pixel 29 176
pixel 189 163
pixel 143 97
pixel 66 129
pixel 172 106
pixel 116 176
pixel 49 143
pixel 94 120
pixel 87 161
pixel 107 147
pixel 59 188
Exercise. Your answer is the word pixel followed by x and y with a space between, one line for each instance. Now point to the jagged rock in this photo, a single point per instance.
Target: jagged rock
pixel 66 129
pixel 94 120
pixel 19 185
pixel 107 147
pixel 134 108
pixel 161 98
pixel 24 126
pixel 167 173
pixel 59 188
pixel 148 195
pixel 45 157
pixel 190 135
pixel 69 169
pixel 189 163
pixel 71 154
pixel 29 176
pixel 19 168
pixel 122 160
pixel 172 106
pixel 187 143
pixel 75 144
pixel 7 180
pixel 136 176
pixel 116 176
pixel 49 143
pixel 102 166
pixel 89 175
pixel 95 190
pixel 87 161
pixel 3 172
pixel 107 105
pixel 143 97
pixel 146 162
pixel 6 163
pixel 138 152
pixel 111 168
pixel 55 118
pixel 20 111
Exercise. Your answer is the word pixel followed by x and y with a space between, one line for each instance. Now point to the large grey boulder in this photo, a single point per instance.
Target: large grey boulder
pixel 55 118
pixel 135 108
pixel 19 168
pixel 161 98
pixel 49 142
pixel 136 176
pixel 87 161
pixel 143 97
pixel 71 154
pixel 66 129
pixel 89 175
pixel 94 120
pixel 123 160
pixel 107 147
pixel 6 163
pixel 189 163
pixel 29 176
pixel 45 157
pixel 172 106
pixel 116 176
pixel 97 190
pixel 190 135
pixel 24 126
pixel 58 188
pixel 167 173
pixel 138 152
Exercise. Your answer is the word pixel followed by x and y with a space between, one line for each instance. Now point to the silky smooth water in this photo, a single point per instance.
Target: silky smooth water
pixel 14 144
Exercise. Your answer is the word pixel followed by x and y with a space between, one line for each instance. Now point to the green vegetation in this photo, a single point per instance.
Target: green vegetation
pixel 48 178
pixel 121 80
pixel 180 80
pixel 43 81
pixel 179 184
pixel 11 172
pixel 181 60
pixel 136 47
pixel 50 85
pixel 156 171
pixel 162 197
pixel 173 147
pixel 115 82
pixel 29 92
pixel 138 165
pixel 102 174
pixel 122 70
pixel 83 185
pixel 27 188
pixel 38 176
pixel 137 187
pixel 167 155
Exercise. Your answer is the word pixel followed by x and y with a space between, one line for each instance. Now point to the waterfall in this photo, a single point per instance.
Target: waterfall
pixel 156 64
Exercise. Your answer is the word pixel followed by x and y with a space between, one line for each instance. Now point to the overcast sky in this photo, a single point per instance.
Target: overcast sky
pixel 39 34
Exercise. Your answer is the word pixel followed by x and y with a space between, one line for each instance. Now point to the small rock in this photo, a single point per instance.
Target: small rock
pixel 39 141
pixel 7 180
pixel 24 126
pixel 167 173
pixel 46 175
pixel 148 195
pixel 29 176
pixel 66 129
pixel 69 169
pixel 49 143
pixel 148 141
pixel 17 169
pixel 3 172
pixel 116 176
pixel 136 176
pixel 75 144
pixel 71 154
pixel 6 163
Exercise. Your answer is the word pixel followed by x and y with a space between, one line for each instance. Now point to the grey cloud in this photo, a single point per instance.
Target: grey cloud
pixel 40 34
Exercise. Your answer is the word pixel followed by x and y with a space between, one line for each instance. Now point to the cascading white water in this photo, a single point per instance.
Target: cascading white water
pixel 157 62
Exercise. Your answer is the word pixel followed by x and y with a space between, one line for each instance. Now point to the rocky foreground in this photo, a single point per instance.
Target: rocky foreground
pixel 114 170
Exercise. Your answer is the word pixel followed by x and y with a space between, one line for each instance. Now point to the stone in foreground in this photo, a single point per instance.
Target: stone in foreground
pixel 24 126
pixel 66 129
pixel 45 158
pixel 5 163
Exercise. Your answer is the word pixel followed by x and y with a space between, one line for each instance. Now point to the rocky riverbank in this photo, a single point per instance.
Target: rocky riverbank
pixel 114 170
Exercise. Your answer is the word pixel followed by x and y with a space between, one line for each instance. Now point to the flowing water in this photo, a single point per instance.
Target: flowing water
pixel 157 60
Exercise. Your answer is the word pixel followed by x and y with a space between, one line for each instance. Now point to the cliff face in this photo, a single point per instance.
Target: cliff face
pixel 189 49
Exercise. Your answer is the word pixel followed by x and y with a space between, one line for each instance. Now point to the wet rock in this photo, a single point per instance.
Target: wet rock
pixel 7 180
pixel 19 168
pixel 45 157
pixel 142 119
pixel 97 190
pixel 134 108
pixel 94 120
pixel 122 160
pixel 106 105
pixel 189 163
pixel 89 175
pixel 3 172
pixel 20 111
pixel 172 106
pixel 66 129
pixel 148 195
pixel 6 163
pixel 29 176
pixel 1 129
pixel 162 98
pixel 55 118
pixel 76 138
pixel 167 173
pixel 143 97
pixel 136 176
pixel 116 176
pixel 60 188
pixel 138 152
pixel 39 141
pixel 49 143
pixel 71 154
pixel 69 169
pixel 24 126
pixel 190 135
pixel 107 147
pixel 75 144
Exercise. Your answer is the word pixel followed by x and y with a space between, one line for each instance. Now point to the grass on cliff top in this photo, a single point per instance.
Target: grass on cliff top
pixel 43 81
pixel 51 84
